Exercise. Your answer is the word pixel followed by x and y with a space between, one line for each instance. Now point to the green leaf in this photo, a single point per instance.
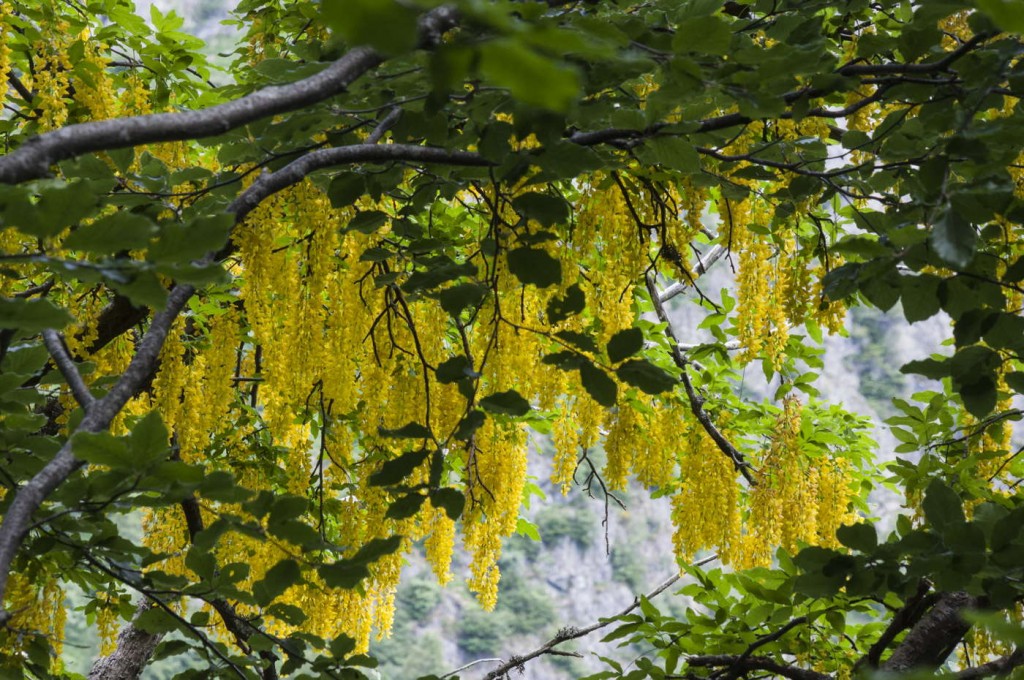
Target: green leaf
pixel 455 369
pixel 534 266
pixel 347 573
pixel 942 506
pixel 452 500
pixel 101 448
pixel 920 296
pixel 530 77
pixel 288 613
pixel 120 231
pixel 55 209
pixel 387 25
pixel 954 239
pixel 405 506
pixel 459 297
pixel 509 403
pixel 546 209
pixel 31 316
pixel 598 384
pixel 469 425
pixel 287 507
pixel 407 431
pixel 149 440
pixel 702 35
pixel 156 621
pixel 278 579
pixel 561 308
pixel 394 471
pixel 345 189
pixel 182 243
pixel 625 344
pixel 581 340
pixel 367 221
pixel 646 376
pixel 1008 15
pixel 674 153
pixel 860 536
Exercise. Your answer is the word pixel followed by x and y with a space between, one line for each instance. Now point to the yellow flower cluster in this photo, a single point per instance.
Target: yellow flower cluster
pixel 5 48
pixel 37 608
pixel 797 499
pixel 706 507
pixel 50 79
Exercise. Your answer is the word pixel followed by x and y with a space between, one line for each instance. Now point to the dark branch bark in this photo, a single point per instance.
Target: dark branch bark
pixel 269 184
pixel 934 636
pixel 30 496
pixel 66 365
pixel 755 663
pixel 1001 666
pixel 33 158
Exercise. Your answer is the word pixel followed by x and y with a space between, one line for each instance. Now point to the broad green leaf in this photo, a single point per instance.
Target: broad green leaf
pixel 534 266
pixel 942 507
pixel 452 500
pixel 646 376
pixel 546 209
pixel 405 506
pixel 509 403
pixel 407 431
pixel 1007 14
pixel 598 384
pixel 954 239
pixel 388 25
pixel 32 315
pixel 561 308
pixel 860 536
pixel 625 344
pixel 119 231
pixel 278 579
pixel 530 77
pixel 394 471
pixel 460 296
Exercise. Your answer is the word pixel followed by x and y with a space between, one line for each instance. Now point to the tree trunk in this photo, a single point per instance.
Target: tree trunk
pixel 134 649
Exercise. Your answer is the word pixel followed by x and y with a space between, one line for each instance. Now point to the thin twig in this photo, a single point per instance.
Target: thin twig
pixel 570 633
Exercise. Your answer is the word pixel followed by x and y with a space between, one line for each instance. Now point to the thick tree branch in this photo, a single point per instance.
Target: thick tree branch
pixel 753 663
pixel 270 183
pixel 66 365
pixel 1000 666
pixel 934 636
pixel 909 614
pixel 33 158
pixel 566 634
pixel 134 648
pixel 97 418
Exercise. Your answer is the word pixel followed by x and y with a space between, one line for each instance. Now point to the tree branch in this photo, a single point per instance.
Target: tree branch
pixel 134 648
pixel 33 158
pixel 1000 666
pixel 66 365
pixel 739 461
pixel 570 633
pixel 270 183
pixel 934 636
pixel 754 663
pixel 98 417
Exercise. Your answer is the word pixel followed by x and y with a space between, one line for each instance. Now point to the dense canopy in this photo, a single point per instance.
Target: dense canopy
pixel 309 312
